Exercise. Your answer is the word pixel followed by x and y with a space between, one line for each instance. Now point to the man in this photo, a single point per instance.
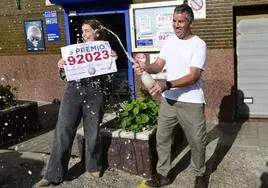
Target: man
pixel 182 100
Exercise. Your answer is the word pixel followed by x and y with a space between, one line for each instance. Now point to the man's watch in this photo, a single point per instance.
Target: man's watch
pixel 169 85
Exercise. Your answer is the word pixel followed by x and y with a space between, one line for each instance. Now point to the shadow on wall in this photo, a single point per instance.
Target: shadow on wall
pixel 17 171
pixel 227 107
pixel 225 132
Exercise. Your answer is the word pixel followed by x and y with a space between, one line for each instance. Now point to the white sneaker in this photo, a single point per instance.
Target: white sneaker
pixel 42 183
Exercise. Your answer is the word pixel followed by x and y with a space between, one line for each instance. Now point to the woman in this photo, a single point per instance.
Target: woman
pixel 82 99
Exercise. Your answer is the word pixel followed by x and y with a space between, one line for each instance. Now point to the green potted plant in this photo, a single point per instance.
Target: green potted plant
pixel 138 115
pixel 7 96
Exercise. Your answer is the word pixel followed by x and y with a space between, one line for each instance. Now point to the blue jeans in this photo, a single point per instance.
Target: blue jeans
pixel 79 101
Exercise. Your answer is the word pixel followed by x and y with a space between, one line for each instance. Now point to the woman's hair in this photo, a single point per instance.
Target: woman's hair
pixel 100 33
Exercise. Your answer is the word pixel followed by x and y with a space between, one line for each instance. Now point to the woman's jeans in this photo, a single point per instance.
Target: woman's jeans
pixel 80 100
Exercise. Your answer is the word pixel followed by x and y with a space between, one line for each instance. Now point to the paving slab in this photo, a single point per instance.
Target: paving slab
pixel 237 157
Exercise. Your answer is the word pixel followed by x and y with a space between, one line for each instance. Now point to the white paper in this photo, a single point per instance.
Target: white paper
pixel 88 60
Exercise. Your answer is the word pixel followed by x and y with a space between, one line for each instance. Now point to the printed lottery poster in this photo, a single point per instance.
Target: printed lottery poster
pixel 88 60
pixel 154 26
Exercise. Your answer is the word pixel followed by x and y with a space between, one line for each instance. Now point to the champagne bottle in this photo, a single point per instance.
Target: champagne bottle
pixel 147 79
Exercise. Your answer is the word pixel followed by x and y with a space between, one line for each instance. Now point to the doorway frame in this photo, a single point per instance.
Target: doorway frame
pixel 82 12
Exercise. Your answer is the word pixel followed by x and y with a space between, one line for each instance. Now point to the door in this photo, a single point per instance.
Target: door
pixel 252 65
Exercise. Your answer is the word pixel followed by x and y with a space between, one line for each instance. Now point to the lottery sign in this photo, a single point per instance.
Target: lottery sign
pixel 88 60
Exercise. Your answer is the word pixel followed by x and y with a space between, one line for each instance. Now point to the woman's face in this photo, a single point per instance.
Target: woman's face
pixel 88 33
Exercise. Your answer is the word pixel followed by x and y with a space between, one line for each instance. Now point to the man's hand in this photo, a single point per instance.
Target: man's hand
pixel 158 87
pixel 61 62
pixel 138 67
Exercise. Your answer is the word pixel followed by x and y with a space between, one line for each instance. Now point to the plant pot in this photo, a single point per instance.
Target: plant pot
pixel 17 122
pixel 133 153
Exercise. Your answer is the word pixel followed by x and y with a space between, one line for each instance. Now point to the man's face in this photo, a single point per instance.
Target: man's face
pixel 181 25
pixel 88 33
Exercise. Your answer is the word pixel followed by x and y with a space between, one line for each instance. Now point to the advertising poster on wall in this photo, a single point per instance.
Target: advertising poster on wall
pixel 151 24
pixel 153 27
pixel 52 26
pixel 34 36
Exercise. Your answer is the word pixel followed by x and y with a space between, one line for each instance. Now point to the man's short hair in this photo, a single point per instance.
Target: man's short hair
pixel 185 8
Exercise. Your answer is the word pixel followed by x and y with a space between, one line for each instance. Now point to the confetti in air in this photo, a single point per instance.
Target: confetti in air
pixel 29 172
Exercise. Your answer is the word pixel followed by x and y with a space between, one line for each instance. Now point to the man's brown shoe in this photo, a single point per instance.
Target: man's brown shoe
pixel 95 174
pixel 42 183
pixel 158 181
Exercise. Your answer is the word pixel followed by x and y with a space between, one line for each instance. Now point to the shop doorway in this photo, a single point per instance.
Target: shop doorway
pixel 251 43
pixel 116 23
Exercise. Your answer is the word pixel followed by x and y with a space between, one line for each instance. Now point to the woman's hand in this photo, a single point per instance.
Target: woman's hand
pixel 61 62
pixel 114 55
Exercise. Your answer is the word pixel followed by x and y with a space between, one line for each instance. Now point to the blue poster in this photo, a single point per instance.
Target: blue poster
pixel 52 26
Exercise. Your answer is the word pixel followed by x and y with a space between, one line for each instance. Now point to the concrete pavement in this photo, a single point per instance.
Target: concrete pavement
pixel 237 157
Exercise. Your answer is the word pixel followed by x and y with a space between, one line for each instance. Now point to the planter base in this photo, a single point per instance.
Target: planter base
pixel 133 155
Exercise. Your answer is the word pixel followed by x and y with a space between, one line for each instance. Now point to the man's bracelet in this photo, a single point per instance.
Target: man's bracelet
pixel 169 85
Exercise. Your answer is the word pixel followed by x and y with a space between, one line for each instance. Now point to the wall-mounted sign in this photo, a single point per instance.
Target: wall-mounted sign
pixel 52 26
pixel 34 36
pixel 48 3
pixel 151 24
pixel 199 8
pixel 248 100
pixel 62 2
